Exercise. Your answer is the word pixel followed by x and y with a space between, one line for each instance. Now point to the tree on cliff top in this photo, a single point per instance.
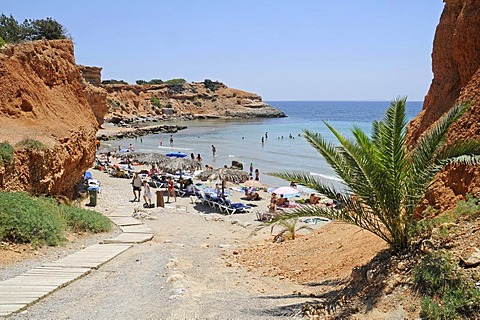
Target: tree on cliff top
pixel 49 29
pixel 385 177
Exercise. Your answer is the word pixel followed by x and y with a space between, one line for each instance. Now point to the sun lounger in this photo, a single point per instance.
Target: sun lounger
pixel 179 192
pixel 237 207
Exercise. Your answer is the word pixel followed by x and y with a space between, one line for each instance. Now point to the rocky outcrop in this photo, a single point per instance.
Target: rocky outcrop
pixel 455 64
pixel 188 100
pixel 45 101
pixel 92 75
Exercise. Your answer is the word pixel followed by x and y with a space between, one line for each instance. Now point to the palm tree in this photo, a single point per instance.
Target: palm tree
pixel 385 178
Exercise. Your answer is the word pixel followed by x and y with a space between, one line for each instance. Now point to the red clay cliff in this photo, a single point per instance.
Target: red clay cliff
pixel 44 97
pixel 455 65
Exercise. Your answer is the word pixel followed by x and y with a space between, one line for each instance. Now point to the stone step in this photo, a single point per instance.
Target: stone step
pixel 125 221
pixel 130 238
pixel 136 229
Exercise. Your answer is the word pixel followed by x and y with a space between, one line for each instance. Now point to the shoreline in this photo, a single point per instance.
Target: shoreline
pixel 116 133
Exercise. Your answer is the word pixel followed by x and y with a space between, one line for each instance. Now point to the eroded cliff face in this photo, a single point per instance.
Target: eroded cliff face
pixel 455 65
pixel 190 100
pixel 43 97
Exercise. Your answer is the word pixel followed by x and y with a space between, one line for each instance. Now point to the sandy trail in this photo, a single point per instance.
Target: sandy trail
pixel 185 272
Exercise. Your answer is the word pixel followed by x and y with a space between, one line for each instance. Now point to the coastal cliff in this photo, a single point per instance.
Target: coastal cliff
pixel 50 116
pixel 456 70
pixel 207 99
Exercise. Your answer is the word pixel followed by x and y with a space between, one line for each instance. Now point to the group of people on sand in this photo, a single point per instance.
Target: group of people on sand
pixel 252 194
pixel 277 202
pixel 139 184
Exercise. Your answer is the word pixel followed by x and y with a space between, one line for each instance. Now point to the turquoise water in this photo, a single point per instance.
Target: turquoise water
pixel 240 140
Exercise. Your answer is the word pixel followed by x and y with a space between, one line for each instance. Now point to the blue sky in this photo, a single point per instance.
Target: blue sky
pixel 279 49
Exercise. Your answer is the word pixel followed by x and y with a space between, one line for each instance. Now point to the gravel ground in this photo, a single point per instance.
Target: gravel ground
pixel 185 272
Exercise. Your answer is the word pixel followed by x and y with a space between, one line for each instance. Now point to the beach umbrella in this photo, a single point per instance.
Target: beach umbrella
pixel 224 174
pixel 173 165
pixel 287 192
pixel 176 155
pixel 232 175
pixel 149 157
pixel 252 184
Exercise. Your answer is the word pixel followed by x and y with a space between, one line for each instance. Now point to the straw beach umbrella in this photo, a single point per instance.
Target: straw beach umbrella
pixel 232 175
pixel 173 165
pixel 224 174
pixel 252 184
pixel 149 157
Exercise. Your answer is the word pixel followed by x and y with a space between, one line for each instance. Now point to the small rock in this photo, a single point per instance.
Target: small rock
pixel 402 265
pixel 205 245
pixel 357 274
pixel 426 246
pixel 167 241
pixel 370 275
pixel 473 259
pixel 174 278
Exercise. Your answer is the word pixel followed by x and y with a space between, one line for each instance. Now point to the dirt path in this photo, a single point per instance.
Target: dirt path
pixel 185 272
pixel 179 275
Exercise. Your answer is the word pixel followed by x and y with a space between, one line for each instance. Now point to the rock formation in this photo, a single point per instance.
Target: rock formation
pixel 188 100
pixel 46 116
pixel 455 64
pixel 92 75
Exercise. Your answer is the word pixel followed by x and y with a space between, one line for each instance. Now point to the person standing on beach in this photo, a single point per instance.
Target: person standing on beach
pixel 170 190
pixel 137 185
pixel 192 156
pixel 273 203
pixel 214 150
pixel 147 195
pixel 257 174
pixel 199 158
pixel 171 140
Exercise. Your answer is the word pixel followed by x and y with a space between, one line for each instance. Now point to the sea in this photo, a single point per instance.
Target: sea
pixel 283 147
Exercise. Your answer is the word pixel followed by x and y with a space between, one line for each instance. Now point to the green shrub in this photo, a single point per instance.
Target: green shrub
pixel 469 207
pixel 447 294
pixel 156 102
pixel 26 219
pixel 31 144
pixel 85 220
pixel 155 81
pixel 2 42
pixel 6 153
pixel 175 82
pixel 140 82
pixel 114 81
pixel 211 85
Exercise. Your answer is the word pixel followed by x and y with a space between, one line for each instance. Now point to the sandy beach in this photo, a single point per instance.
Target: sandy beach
pixel 187 271
pixel 201 264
